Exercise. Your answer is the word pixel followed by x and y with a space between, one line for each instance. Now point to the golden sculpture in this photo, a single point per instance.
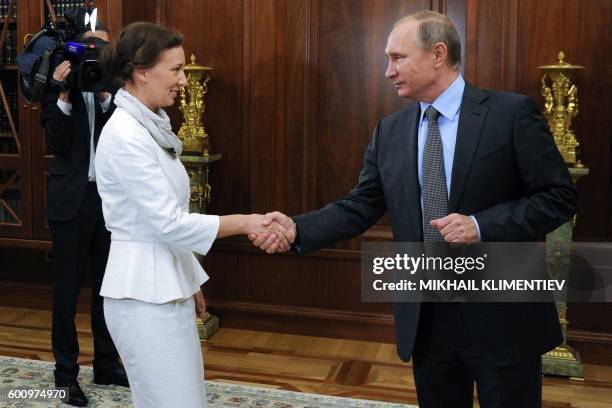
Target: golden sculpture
pixel 560 109
pixel 192 131
pixel 197 157
pixel 561 106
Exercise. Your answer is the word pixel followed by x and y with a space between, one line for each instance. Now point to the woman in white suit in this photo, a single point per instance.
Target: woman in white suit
pixel 152 281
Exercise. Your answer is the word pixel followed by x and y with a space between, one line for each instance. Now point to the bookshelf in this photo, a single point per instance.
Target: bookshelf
pixel 14 152
pixel 24 157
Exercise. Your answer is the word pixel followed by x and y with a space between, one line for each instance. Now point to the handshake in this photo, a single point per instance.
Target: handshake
pixel 273 232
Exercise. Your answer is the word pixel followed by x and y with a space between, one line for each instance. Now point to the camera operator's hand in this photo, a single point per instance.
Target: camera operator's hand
pixel 60 74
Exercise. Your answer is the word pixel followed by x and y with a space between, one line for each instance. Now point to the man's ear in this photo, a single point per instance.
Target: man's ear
pixel 440 52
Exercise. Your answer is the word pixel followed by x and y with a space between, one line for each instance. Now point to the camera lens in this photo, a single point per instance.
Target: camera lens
pixel 91 75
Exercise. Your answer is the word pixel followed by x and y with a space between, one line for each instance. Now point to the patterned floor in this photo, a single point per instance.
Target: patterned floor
pixel 22 374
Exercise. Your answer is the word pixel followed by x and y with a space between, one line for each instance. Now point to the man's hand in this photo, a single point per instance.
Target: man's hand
pixel 456 228
pixel 278 238
pixel 60 74
pixel 268 242
pixel 200 304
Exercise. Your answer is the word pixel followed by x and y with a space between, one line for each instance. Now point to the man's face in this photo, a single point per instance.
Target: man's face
pixel 410 68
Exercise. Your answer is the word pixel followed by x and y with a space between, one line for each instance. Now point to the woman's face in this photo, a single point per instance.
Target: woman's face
pixel 165 78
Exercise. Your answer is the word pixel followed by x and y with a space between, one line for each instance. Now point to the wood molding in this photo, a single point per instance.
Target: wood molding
pixel 25 243
pixel 509 45
pixel 304 320
pixel 585 336
pixel 594 347
pixel 471 41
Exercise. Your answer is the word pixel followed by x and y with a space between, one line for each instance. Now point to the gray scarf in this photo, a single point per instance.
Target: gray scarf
pixel 158 124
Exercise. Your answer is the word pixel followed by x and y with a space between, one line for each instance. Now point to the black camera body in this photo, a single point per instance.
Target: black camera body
pixel 53 45
pixel 86 73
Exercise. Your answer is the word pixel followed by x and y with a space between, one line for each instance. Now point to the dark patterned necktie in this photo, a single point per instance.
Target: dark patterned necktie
pixel 435 197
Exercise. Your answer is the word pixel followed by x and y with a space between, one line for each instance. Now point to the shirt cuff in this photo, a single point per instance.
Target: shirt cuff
pixel 106 103
pixel 65 107
pixel 477 226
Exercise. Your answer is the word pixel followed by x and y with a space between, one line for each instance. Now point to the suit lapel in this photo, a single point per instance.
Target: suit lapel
pixel 98 122
pixel 471 120
pixel 408 165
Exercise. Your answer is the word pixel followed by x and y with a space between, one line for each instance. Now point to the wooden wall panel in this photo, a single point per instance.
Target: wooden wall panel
pixel 298 87
pixel 580 29
pixel 350 91
pixel 142 10
pixel 213 31
pixel 511 38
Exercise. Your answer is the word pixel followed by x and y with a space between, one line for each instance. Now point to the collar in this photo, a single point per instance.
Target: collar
pixel 449 101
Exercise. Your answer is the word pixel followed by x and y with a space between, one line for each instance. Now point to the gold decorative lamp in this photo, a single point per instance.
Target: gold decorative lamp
pixel 192 131
pixel 561 105
pixel 560 109
pixel 196 155
pixel 196 144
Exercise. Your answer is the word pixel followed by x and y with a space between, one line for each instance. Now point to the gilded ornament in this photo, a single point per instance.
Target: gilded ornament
pixel 192 132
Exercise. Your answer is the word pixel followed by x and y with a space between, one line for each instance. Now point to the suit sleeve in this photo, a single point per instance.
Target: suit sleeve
pixel 349 216
pixel 550 197
pixel 56 124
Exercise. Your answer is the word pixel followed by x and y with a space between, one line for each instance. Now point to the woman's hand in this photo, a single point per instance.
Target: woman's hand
pixel 200 304
pixel 265 241
pixel 279 237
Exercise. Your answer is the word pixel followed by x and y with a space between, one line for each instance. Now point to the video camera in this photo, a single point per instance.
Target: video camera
pixel 53 45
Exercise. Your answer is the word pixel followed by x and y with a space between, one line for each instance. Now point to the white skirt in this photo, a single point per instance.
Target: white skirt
pixel 160 349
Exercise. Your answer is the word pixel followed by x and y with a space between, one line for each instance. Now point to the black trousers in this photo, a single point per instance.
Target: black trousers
pixel 446 364
pixel 76 243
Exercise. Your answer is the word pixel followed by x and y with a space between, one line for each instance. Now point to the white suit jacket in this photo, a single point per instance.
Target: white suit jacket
pixel 145 200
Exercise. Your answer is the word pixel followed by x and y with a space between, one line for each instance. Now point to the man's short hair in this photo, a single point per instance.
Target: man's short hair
pixel 434 28
pixel 100 26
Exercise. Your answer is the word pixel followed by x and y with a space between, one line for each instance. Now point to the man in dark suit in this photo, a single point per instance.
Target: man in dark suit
pixel 460 164
pixel 72 121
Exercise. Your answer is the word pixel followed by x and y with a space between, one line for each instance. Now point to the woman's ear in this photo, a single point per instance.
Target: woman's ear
pixel 141 74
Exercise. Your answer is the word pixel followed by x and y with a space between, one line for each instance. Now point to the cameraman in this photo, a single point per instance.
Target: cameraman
pixel 72 121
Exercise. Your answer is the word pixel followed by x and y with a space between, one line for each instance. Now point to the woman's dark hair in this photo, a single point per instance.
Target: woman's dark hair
pixel 139 46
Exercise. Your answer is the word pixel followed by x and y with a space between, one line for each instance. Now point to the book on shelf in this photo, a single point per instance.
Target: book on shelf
pixel 61 6
pixel 11 96
pixel 9 52
pixel 11 197
pixel 4 9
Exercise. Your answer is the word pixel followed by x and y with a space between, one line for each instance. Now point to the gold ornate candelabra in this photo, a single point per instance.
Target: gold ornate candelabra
pixel 561 106
pixel 560 109
pixel 192 131
pixel 196 155
pixel 196 144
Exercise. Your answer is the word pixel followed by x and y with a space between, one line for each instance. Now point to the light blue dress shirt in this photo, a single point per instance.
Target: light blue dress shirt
pixel 449 106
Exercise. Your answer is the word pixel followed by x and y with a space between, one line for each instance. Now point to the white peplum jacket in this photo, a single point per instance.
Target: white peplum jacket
pixel 145 200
